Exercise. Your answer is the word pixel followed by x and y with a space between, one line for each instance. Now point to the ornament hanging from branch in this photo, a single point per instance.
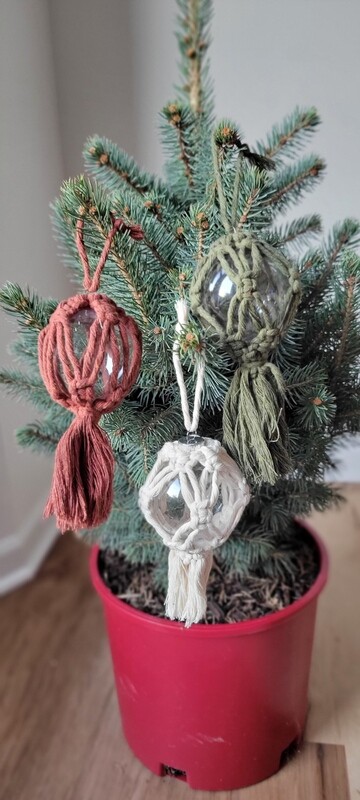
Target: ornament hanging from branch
pixel 194 496
pixel 89 359
pixel 248 292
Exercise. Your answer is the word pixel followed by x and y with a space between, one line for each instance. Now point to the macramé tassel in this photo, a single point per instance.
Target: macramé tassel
pixel 82 488
pixel 254 426
pixel 187 580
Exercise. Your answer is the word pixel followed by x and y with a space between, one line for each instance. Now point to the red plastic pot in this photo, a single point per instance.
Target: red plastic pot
pixel 215 704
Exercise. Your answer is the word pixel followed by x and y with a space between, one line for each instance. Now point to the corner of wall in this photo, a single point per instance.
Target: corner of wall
pixel 22 551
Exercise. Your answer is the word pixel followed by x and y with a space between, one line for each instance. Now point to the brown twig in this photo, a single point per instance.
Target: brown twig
pixel 200 245
pixel 194 55
pixel 156 254
pixel 248 205
pixel 184 157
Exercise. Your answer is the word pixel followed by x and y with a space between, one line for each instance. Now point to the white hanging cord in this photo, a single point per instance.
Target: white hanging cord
pixel 191 423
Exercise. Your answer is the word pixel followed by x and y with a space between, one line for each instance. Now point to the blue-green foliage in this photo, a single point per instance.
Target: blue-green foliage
pixel 180 219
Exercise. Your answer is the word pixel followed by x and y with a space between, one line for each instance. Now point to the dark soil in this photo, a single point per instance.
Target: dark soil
pixel 230 598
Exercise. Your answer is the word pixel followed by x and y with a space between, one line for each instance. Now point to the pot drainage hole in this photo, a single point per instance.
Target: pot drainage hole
pixel 174 773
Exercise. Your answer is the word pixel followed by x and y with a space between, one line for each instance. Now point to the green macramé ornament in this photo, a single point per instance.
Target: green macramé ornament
pixel 248 292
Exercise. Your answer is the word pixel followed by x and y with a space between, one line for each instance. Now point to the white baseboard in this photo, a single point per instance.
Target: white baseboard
pixel 23 551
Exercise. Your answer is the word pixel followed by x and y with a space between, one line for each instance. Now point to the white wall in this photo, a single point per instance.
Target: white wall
pixel 70 68
pixel 30 173
pixel 94 60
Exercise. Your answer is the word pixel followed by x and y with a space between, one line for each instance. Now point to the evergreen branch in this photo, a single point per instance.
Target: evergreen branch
pixel 181 122
pixel 184 157
pixel 39 437
pixel 156 235
pixel 316 409
pixel 158 425
pixel 254 186
pixel 194 55
pixel 150 245
pixel 344 236
pixel 297 232
pixel 193 41
pixel 290 184
pixel 300 380
pixel 350 284
pixel 25 387
pixel 288 137
pixel 136 294
pixel 102 156
pixel 25 349
pixel 248 205
pixel 347 420
pixel 80 199
pixel 31 310
pixel 200 245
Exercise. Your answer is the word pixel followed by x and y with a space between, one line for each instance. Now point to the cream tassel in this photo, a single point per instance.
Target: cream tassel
pixel 187 580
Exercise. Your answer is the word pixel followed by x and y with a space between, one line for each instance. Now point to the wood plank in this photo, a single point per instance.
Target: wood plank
pixel 335 678
pixel 60 735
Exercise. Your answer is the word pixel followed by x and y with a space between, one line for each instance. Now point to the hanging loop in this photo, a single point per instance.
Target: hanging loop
pixel 92 284
pixel 191 422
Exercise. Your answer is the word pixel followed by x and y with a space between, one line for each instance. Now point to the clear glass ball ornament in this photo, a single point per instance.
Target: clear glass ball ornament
pixel 271 284
pixel 173 505
pixel 81 323
pixel 171 502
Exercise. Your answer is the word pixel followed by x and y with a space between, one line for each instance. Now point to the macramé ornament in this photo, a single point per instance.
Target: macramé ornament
pixel 89 359
pixel 248 292
pixel 194 496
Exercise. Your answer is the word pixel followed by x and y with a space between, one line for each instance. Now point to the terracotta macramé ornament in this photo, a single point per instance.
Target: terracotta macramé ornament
pixel 89 359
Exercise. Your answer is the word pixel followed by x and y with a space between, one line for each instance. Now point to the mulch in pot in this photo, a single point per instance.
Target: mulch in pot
pixel 230 597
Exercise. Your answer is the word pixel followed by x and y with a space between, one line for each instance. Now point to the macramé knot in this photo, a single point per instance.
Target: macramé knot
pixel 187 558
pixel 211 464
pixel 201 515
pixel 246 288
pixel 89 412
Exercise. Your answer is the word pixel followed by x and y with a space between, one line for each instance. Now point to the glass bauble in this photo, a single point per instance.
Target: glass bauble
pixel 173 505
pixel 81 323
pixel 271 284
pixel 171 502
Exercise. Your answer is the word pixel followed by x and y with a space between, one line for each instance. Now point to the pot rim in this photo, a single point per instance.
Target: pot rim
pixel 218 628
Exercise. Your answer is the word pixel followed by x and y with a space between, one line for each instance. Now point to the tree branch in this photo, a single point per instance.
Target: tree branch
pixel 343 240
pixel 350 284
pixel 312 172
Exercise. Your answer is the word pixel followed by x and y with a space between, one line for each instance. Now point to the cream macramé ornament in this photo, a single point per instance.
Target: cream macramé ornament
pixel 194 496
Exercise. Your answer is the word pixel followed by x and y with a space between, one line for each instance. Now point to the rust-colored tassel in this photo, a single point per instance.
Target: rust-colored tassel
pixel 82 488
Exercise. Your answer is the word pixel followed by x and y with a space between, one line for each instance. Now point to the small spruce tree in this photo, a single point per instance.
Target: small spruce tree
pixel 179 216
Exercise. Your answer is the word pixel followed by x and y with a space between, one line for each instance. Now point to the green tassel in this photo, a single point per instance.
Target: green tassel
pixel 254 426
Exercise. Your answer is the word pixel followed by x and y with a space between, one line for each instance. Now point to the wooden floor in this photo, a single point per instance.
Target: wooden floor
pixel 60 736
